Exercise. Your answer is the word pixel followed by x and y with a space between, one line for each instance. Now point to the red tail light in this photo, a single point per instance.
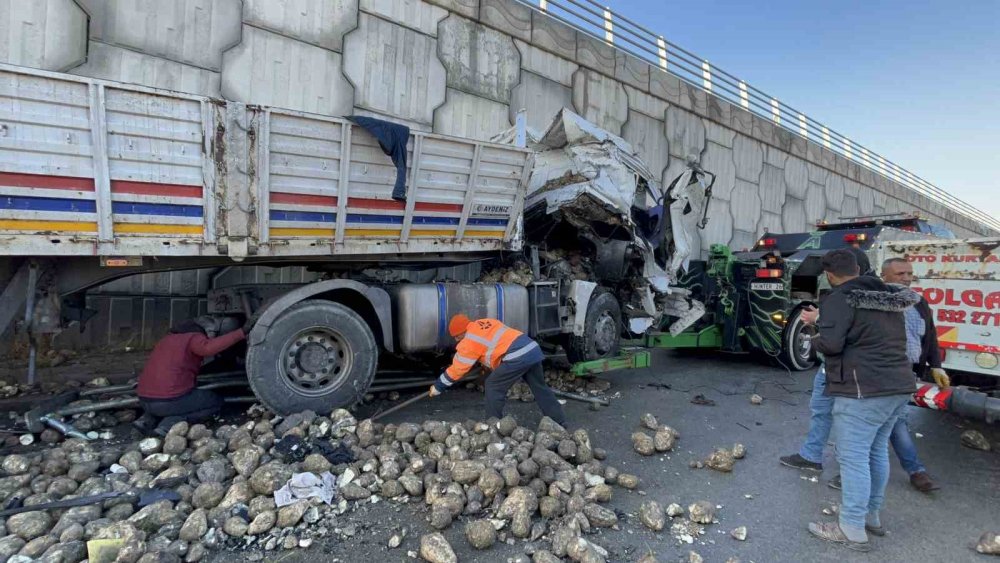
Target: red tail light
pixel 768 273
pixel 855 237
pixel 767 242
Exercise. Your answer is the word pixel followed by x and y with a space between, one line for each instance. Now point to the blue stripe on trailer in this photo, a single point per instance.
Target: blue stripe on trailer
pixel 311 216
pixel 163 209
pixel 499 302
pixel 48 204
pixel 398 219
pixel 488 222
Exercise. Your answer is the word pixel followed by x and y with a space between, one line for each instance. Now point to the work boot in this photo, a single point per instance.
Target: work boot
pixel 831 532
pixel 799 462
pixel 834 483
pixel 145 423
pixel 922 482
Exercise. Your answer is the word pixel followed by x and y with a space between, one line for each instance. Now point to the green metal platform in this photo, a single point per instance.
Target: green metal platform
pixel 631 359
pixel 708 337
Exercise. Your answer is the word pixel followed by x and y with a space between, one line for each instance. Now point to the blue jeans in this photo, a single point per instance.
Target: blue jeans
pixel 862 427
pixel 821 419
pixel 902 443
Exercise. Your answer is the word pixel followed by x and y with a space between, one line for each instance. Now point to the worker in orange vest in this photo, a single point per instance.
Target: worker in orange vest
pixel 509 353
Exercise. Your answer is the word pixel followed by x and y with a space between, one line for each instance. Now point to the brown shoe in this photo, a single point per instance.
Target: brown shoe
pixel 922 482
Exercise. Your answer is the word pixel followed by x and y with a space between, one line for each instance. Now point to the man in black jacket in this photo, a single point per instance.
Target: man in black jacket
pixel 862 338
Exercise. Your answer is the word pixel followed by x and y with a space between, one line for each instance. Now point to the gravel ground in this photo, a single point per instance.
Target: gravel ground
pixel 772 501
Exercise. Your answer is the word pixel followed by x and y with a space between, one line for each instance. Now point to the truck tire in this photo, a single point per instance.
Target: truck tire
pixel 602 330
pixel 317 355
pixel 796 350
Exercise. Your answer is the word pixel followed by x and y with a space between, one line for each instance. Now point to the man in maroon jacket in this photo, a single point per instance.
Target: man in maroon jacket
pixel 167 384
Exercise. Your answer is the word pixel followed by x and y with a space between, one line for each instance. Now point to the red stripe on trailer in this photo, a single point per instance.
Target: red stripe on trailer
pixel 20 180
pixel 389 204
pixel 303 199
pixel 149 188
pixel 970 347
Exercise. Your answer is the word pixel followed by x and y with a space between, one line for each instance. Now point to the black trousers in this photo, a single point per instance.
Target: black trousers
pixel 195 406
pixel 509 373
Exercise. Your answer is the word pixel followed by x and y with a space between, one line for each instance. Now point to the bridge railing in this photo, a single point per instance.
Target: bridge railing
pixel 603 24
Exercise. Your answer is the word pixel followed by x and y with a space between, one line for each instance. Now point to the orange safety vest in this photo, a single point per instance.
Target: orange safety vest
pixel 486 341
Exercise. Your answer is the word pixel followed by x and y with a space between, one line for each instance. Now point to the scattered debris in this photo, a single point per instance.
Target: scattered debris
pixel 739 451
pixel 832 510
pixel 739 533
pixel 693 557
pixel 674 510
pixel 649 421
pixel 974 439
pixel 722 460
pixel 436 549
pixel 643 443
pixel 989 543
pixel 756 399
pixel 701 512
pixel 702 400
pixel 652 516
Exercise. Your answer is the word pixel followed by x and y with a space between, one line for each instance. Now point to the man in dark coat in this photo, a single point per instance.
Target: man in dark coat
pixel 862 338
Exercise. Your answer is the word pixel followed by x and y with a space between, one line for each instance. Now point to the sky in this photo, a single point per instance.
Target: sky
pixel 918 82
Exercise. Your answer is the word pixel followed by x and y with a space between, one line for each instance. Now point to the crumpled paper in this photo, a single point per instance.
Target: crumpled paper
pixel 307 485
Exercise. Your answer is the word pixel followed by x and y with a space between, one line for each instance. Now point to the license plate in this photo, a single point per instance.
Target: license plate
pixel 767 286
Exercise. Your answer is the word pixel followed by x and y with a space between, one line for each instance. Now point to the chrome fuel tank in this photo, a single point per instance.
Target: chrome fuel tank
pixel 422 311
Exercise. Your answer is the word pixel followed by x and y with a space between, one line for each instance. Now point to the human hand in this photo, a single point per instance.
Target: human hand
pixel 433 392
pixel 809 315
pixel 941 378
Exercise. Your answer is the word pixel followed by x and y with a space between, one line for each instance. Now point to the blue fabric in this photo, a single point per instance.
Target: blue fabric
pixel 902 443
pixel 862 428
pixel 392 138
pixel 821 419
pixel 915 328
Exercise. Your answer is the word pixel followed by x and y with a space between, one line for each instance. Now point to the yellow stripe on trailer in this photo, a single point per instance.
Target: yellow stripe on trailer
pixel 373 232
pixel 293 232
pixel 484 234
pixel 154 229
pixel 47 226
pixel 433 233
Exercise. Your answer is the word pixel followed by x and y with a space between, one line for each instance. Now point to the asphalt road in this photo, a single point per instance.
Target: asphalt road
pixel 942 526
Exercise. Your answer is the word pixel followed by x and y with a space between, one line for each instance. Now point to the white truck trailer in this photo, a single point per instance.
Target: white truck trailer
pixel 99 180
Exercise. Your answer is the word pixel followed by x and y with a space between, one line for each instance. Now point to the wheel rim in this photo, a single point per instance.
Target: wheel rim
pixel 315 361
pixel 801 346
pixel 605 330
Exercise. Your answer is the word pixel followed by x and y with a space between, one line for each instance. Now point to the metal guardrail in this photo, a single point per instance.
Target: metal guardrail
pixel 601 23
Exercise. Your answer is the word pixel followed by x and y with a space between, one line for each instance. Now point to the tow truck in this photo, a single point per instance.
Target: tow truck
pixel 754 298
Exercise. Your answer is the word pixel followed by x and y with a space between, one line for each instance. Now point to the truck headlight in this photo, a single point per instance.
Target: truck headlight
pixel 986 360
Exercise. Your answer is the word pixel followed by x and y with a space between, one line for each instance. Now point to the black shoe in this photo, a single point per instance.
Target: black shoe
pixel 834 483
pixel 145 423
pixel 799 462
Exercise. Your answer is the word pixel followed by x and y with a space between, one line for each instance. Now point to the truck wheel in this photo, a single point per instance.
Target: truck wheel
pixel 795 348
pixel 602 331
pixel 317 355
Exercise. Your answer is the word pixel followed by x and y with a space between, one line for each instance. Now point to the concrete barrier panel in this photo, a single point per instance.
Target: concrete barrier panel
pixel 719 160
pixel 686 134
pixel 546 64
pixel 647 137
pixel 796 177
pixel 124 65
pixel 465 115
pixel 748 155
pixel 395 70
pixel 320 22
pixel 746 206
pixel 542 98
pixel 478 59
pixel 772 189
pixel 507 15
pixel 553 35
pixel 644 103
pixel 414 14
pixel 631 70
pixel 271 69
pixel 46 34
pixel 194 32
pixel 600 99
pixel 467 8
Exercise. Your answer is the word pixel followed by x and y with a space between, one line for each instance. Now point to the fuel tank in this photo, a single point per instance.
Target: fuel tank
pixel 422 311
